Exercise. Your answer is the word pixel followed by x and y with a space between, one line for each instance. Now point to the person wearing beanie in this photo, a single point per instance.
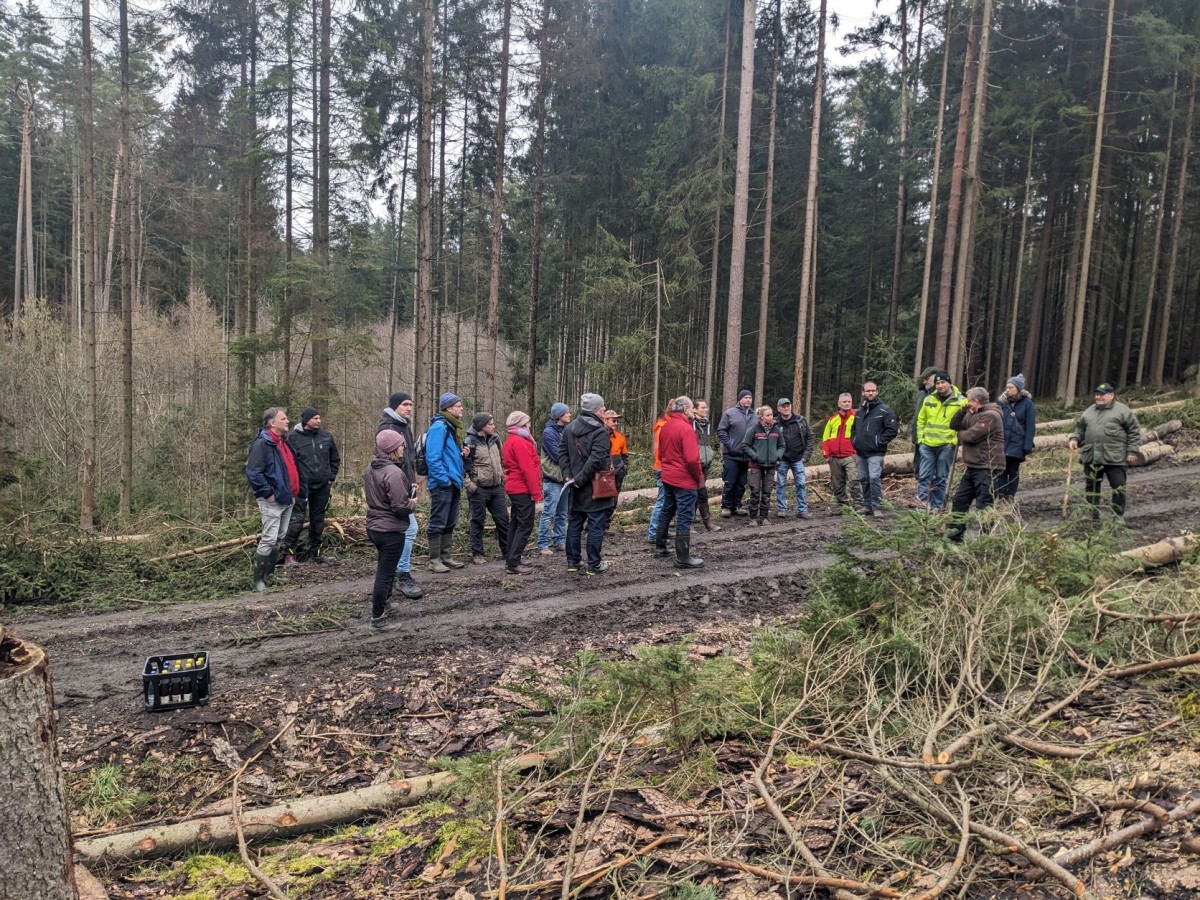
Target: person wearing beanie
pixel 735 465
pixel 317 456
pixel 483 475
pixel 937 442
pixel 277 482
pixel 1107 437
pixel 397 416
pixel 391 499
pixel 584 451
pixel 444 453
pixel 523 483
pixel 552 526
pixel 1020 426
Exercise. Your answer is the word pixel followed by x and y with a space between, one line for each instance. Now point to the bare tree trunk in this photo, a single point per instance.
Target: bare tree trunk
pixel 931 227
pixel 397 307
pixel 941 348
pixel 127 288
pixel 104 300
pixel 902 187
pixel 423 382
pixel 91 401
pixel 807 252
pixel 658 297
pixel 1148 314
pixel 289 176
pixel 493 321
pixel 710 349
pixel 1089 223
pixel 1015 307
pixel 1131 250
pixel 1068 294
pixel 1164 323
pixel 741 203
pixel 769 191
pixel 539 193
pixel 320 294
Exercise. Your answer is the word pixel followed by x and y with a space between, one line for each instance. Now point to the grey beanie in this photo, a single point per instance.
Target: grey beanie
pixel 591 402
pixel 1017 381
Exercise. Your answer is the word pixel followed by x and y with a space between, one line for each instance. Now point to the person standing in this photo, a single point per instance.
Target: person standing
pixel 1020 428
pixel 444 452
pixel 523 482
pixel 484 478
pixel 277 483
pixel 397 417
pixel 584 452
pixel 391 499
pixel 798 442
pixel 981 434
pixel 1107 436
pixel 661 496
pixel 702 425
pixel 553 523
pixel 682 476
pixel 763 448
pixel 618 452
pixel 735 466
pixel 317 455
pixel 875 426
pixel 924 389
pixel 937 442
pixel 839 453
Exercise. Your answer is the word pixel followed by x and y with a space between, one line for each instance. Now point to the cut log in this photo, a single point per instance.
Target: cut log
pixel 35 833
pixel 1153 452
pixel 1165 552
pixel 1063 423
pixel 1149 435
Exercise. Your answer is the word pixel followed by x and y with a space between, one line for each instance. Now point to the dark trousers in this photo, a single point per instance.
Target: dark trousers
pixel 762 482
pixel 1116 480
pixel 443 510
pixel 702 509
pixel 1007 488
pixel 677 501
pixel 595 522
pixel 488 500
pixel 976 486
pixel 390 545
pixel 733 473
pixel 520 529
pixel 314 505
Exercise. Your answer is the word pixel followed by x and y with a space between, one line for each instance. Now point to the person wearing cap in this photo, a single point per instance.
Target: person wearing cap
pixel 552 526
pixel 924 389
pixel 937 442
pixel 317 455
pixel 735 465
pixel 1107 437
pixel 798 439
pixel 391 499
pixel 763 446
pixel 444 453
pixel 397 417
pixel 584 451
pixel 523 482
pixel 682 475
pixel 483 475
pixel 875 426
pixel 981 435
pixel 277 482
pixel 1020 427
pixel 839 453
pixel 702 425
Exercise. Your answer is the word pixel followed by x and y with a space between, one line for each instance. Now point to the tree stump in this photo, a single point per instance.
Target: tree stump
pixel 35 832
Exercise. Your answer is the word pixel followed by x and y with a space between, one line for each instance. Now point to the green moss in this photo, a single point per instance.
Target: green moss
pixel 1188 706
pixel 391 840
pixel 210 876
pixel 472 839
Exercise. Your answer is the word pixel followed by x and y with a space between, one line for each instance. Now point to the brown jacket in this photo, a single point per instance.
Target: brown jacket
pixel 389 495
pixel 981 436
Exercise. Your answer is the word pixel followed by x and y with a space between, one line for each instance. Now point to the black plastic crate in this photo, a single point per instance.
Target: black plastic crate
pixel 176 681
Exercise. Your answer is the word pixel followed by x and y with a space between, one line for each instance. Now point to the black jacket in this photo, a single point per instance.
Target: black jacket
pixel 584 451
pixel 316 454
pixel 874 428
pixel 798 438
pixel 393 421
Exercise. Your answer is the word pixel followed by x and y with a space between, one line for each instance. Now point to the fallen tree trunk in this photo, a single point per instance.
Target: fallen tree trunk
pixel 1063 423
pixel 1165 552
pixel 338 525
pixel 1152 452
pixel 1054 441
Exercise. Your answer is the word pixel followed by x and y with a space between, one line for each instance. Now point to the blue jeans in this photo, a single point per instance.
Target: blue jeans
pixel 443 510
pixel 801 479
pixel 554 513
pixel 933 473
pixel 658 506
pixel 870 476
pixel 681 501
pixel 410 537
pixel 595 522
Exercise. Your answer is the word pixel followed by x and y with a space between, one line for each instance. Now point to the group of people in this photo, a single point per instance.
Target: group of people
pixel 577 465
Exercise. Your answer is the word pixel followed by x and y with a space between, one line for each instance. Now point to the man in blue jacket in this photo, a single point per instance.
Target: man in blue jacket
pixel 735 465
pixel 277 483
pixel 444 457
pixel 552 526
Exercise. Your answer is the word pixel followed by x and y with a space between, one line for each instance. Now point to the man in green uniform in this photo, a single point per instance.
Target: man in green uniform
pixel 1107 437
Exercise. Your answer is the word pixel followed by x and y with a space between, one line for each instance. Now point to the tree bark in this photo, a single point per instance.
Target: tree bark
pixel 321 284
pixel 764 296
pixel 91 402
pixel 127 287
pixel 1160 220
pixel 493 320
pixel 539 194
pixel 902 187
pixel 810 208
pixel 35 831
pixel 423 380
pixel 710 347
pixel 1019 264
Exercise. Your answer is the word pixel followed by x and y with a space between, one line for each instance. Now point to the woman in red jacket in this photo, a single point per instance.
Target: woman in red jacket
pixel 523 484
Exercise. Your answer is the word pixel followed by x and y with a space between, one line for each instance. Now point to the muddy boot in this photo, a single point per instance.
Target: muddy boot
pixel 660 546
pixel 447 559
pixel 435 555
pixel 408 587
pixel 706 519
pixel 261 562
pixel 274 577
pixel 683 552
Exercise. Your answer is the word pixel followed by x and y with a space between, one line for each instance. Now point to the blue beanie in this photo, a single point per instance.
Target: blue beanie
pixel 744 393
pixel 1017 381
pixel 558 410
pixel 448 399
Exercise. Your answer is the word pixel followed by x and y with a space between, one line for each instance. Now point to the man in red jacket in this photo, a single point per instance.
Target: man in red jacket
pixel 682 476
pixel 839 453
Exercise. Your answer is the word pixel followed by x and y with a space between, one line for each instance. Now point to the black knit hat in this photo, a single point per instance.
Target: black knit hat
pixel 308 413
pixel 480 421
pixel 397 398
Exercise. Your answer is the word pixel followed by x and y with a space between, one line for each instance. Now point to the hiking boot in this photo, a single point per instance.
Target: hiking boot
pixel 726 513
pixel 259 582
pixel 521 569
pixel 602 566
pixel 740 512
pixel 479 559
pixel 804 515
pixel 322 558
pixel 683 552
pixel 546 551
pixel 710 525
pixel 290 561
pixel 408 587
pixel 381 623
pixel 574 567
pixel 559 548
pixel 435 556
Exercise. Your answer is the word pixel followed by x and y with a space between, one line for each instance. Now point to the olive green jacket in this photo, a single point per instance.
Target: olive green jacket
pixel 1106 436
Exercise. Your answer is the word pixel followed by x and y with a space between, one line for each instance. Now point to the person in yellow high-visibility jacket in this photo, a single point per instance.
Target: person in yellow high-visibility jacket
pixel 936 440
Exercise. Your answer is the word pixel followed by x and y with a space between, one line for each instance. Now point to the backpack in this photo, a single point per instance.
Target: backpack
pixel 420 463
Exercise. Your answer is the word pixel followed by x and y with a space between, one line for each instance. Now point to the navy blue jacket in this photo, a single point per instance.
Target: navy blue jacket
pixel 551 447
pixel 267 473
pixel 1020 424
